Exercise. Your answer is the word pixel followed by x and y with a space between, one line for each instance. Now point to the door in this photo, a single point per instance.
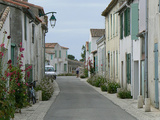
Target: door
pixel 156 75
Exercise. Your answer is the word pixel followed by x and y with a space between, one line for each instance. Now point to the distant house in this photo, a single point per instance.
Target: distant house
pixel 28 28
pixel 57 56
pixel 95 34
pixel 72 65
pixel 101 53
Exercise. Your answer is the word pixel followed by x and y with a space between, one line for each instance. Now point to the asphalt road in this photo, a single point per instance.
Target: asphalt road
pixel 79 101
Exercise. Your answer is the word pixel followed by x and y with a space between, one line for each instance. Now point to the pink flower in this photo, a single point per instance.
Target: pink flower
pixel 20 43
pixel 18 84
pixel 101 64
pixel 9 62
pixel 28 74
pixel 27 84
pixel 22 55
pixel 13 90
pixel 21 49
pixel 1 53
pixel 5 32
pixel 9 37
pixel 8 74
pixel 2 45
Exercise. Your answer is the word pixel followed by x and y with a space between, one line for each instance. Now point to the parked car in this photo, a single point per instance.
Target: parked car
pixel 50 72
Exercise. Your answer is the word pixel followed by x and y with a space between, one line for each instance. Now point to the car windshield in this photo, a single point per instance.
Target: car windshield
pixel 49 69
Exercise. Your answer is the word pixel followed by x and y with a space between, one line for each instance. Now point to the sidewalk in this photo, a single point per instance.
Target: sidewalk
pixel 38 110
pixel 130 106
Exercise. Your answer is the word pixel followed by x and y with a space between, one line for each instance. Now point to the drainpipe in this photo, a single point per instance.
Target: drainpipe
pixel 147 99
pixel 146 52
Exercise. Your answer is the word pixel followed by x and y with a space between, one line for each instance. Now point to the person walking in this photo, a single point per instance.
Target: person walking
pixel 77 71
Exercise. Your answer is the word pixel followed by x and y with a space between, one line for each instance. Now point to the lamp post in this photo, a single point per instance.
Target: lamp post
pixel 52 18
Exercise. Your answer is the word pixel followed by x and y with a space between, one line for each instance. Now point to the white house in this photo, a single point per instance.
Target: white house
pixel 58 57
pixel 101 53
pixel 95 34
pixel 28 28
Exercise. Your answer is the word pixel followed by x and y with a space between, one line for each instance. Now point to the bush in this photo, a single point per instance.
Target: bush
pixel 82 76
pixel 104 87
pixel 67 74
pixel 123 93
pixel 86 72
pixel 47 89
pixel 112 87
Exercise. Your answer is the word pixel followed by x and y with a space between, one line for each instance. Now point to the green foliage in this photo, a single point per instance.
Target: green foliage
pixel 83 54
pixel 86 72
pixel 123 93
pixel 104 87
pixel 47 88
pixel 67 74
pixel 97 80
pixel 82 76
pixel 112 87
pixel 71 57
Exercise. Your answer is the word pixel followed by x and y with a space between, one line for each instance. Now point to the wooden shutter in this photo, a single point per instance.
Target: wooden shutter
pixel 128 56
pixel 55 53
pixel 12 53
pixel 108 27
pixel 30 78
pixel 121 26
pixel 128 21
pixel 134 23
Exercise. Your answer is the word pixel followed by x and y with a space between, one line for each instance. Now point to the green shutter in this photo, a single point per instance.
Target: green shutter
pixel 30 78
pixel 12 54
pixel 111 26
pixel 134 9
pixel 121 26
pixel 108 27
pixel 128 56
pixel 96 63
pixel 60 54
pixel 56 67
pixel 65 67
pixel 117 61
pixel 66 55
pixel 55 53
pixel 51 57
pixel 116 24
pixel 128 23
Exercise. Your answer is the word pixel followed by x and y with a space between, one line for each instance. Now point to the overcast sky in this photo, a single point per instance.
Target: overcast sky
pixel 74 20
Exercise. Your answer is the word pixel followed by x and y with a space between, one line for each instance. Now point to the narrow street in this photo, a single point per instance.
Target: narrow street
pixel 78 101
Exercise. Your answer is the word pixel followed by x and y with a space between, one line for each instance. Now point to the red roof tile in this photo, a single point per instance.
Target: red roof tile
pixel 52 45
pixel 19 4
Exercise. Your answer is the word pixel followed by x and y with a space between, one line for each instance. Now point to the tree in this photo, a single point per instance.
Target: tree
pixel 71 57
pixel 83 54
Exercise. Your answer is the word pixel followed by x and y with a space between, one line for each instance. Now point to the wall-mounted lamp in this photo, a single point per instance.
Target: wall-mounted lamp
pixel 52 19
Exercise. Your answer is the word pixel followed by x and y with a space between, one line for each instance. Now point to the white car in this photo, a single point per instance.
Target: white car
pixel 50 71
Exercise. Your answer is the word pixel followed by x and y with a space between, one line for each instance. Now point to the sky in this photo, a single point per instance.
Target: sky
pixel 75 18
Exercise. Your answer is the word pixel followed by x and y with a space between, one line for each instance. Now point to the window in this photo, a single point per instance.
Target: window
pixel 65 67
pixel 55 53
pixel 25 27
pixel 114 25
pixel 51 57
pixel 127 22
pixel 111 26
pixel 33 32
pixel 108 28
pixel 60 54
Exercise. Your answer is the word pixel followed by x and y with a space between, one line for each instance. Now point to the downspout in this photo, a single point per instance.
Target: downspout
pixel 146 53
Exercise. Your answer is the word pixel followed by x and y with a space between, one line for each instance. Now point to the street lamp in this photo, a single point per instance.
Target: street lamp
pixel 52 19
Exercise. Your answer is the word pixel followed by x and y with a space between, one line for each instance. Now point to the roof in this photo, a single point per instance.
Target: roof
pixel 64 47
pixel 51 45
pixel 109 7
pixel 49 52
pixel 97 32
pixel 75 63
pixel 3 17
